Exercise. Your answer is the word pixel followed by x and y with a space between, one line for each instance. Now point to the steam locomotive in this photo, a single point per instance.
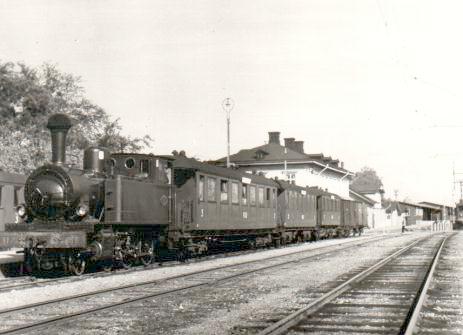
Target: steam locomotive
pixel 123 208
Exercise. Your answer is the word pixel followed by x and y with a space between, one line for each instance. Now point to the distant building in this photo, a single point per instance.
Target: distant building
pixel 289 162
pixel 375 194
pixel 433 211
pixel 357 196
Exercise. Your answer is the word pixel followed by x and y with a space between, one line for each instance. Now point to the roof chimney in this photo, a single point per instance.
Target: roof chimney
pixel 274 137
pixel 289 142
pixel 299 146
pixel 59 125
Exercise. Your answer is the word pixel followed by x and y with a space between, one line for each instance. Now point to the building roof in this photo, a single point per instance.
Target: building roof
pixel 391 206
pixel 430 205
pixel 273 153
pixel 366 188
pixel 360 197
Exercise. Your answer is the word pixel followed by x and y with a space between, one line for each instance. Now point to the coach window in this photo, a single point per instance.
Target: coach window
pixel 144 166
pixel 201 188
pixel 261 197
pixel 268 202
pixel 223 191
pixel 211 189
pixel 244 195
pixel 252 195
pixel 235 193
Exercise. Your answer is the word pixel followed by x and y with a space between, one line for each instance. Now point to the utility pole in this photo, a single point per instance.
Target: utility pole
pixel 227 106
pixel 459 181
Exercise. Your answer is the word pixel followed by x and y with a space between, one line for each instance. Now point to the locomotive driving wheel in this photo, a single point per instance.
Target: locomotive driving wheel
pixel 147 254
pixel 77 265
pixel 125 258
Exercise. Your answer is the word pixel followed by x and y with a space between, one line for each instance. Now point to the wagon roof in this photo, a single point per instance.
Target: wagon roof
pixel 318 191
pixel 289 186
pixel 190 163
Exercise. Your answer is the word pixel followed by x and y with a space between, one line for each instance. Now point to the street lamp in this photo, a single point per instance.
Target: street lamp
pixel 227 106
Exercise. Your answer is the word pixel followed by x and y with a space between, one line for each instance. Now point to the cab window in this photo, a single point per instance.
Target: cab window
pixel 144 166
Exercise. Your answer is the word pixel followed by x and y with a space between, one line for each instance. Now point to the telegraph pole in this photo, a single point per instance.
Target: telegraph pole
pixel 227 106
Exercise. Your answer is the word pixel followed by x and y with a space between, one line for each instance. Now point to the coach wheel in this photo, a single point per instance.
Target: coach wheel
pixel 147 254
pixel 107 265
pixel 127 261
pixel 77 266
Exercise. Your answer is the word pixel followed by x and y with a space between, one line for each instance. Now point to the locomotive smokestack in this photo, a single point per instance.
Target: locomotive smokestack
pixel 59 125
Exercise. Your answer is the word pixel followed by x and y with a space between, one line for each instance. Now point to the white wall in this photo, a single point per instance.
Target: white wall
pixel 308 177
pixel 380 221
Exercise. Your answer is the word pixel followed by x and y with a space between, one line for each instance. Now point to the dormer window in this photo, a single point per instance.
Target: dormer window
pixel 260 154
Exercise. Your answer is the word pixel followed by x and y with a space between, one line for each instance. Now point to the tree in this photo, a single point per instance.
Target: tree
pixel 366 180
pixel 28 96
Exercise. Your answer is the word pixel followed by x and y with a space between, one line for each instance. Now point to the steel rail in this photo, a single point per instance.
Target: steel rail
pixel 37 283
pixel 155 281
pixel 49 321
pixel 413 315
pixel 282 326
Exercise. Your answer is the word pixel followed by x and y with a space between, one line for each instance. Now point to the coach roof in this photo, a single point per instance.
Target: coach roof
pixel 181 162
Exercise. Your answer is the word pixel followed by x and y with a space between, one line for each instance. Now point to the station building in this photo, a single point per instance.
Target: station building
pixel 290 163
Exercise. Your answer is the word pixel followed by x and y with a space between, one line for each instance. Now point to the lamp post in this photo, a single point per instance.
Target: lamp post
pixel 227 106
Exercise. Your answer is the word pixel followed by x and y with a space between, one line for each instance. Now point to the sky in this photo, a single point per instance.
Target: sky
pixel 372 83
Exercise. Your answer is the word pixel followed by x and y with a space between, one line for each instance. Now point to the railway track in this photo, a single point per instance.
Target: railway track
pixel 442 311
pixel 35 316
pixel 20 283
pixel 384 298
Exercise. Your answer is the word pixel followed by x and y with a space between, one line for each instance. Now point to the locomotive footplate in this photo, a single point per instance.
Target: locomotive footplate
pixel 26 239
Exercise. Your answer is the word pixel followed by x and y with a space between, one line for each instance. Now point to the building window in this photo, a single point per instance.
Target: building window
pixel 201 188
pixel 252 196
pixel 223 190
pixel 144 166
pixel 244 195
pixel 211 189
pixel 235 193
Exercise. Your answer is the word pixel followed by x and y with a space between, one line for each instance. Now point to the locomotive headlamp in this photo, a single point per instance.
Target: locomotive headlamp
pixel 21 211
pixel 82 210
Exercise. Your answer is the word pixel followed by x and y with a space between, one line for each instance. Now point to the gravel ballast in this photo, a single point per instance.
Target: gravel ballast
pixel 246 301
